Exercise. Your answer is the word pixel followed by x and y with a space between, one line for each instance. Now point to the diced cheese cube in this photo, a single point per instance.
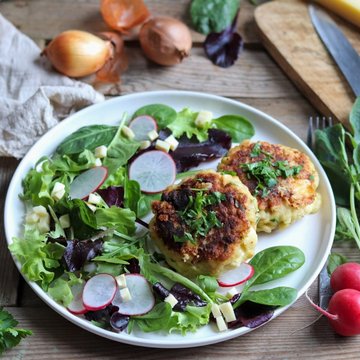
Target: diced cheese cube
pixel 171 299
pixel 44 225
pixel 100 152
pixel 221 323
pixel 91 206
pixel 31 218
pixel 94 199
pixel 145 144
pixel 40 211
pixel 203 119
pixel 98 162
pixel 215 310
pixel 127 132
pixel 228 311
pixel 231 292
pixel 121 281
pixel 58 191
pixel 152 135
pixel 125 294
pixel 172 142
pixel 162 145
pixel 64 221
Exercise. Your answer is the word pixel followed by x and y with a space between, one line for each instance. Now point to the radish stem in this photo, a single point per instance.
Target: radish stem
pixel 322 311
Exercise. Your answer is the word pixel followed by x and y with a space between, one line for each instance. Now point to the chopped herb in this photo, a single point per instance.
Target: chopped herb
pixel 266 171
pixel 197 216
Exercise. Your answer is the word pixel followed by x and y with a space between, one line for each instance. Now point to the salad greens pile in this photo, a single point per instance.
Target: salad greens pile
pixel 338 150
pixel 104 237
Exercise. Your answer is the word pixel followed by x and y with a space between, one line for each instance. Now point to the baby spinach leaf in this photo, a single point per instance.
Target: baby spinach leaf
pixel 274 263
pixel 87 137
pixel 279 296
pixel 132 194
pixel 355 119
pixel 144 203
pixel 83 217
pixel 236 126
pixel 163 114
pixel 213 15
pixel 335 260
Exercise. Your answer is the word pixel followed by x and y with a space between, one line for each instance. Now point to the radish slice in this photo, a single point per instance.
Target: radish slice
pixel 142 125
pixel 99 291
pixel 236 276
pixel 88 182
pixel 76 306
pixel 154 170
pixel 142 298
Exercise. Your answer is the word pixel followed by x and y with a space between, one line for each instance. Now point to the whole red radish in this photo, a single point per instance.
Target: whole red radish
pixel 346 276
pixel 343 312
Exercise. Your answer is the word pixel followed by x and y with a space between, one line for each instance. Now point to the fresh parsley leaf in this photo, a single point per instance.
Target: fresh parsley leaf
pixel 266 171
pixel 10 336
pixel 197 216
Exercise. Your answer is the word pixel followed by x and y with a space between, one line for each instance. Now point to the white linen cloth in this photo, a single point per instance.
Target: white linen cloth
pixel 33 96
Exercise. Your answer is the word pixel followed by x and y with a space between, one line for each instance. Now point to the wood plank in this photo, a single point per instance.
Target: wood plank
pixel 288 336
pixel 254 75
pixel 289 36
pixel 9 275
pixel 29 17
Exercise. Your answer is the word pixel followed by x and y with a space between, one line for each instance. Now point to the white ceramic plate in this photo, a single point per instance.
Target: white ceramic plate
pixel 313 234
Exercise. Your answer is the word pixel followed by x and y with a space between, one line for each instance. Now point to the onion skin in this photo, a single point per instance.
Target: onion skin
pixel 165 40
pixel 78 53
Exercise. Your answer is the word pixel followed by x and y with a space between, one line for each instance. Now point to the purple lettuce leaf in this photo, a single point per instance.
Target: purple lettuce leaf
pixel 78 252
pixel 101 315
pixel 224 48
pixel 191 152
pixel 252 315
pixel 185 296
pixel 112 195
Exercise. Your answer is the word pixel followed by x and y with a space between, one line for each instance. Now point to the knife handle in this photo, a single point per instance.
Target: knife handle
pixel 348 9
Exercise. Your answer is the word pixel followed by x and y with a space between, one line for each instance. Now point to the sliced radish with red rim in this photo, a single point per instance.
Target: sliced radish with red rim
pixel 142 125
pixel 142 298
pixel 76 306
pixel 99 291
pixel 88 182
pixel 154 170
pixel 236 276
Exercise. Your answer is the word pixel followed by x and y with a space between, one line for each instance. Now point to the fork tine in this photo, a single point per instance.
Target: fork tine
pixel 330 121
pixel 309 138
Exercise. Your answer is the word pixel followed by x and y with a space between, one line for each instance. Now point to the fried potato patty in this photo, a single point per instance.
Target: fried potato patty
pixel 283 180
pixel 206 224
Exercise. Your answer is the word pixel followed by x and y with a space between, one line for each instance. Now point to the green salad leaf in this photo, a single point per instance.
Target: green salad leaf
pixel 210 16
pixel 278 296
pixel 87 137
pixel 335 260
pixel 122 220
pixel 185 124
pixel 157 319
pixel 10 335
pixel 37 258
pixel 60 288
pixel 163 114
pixel 236 126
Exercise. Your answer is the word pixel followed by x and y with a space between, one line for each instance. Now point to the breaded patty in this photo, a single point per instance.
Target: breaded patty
pixel 283 180
pixel 206 224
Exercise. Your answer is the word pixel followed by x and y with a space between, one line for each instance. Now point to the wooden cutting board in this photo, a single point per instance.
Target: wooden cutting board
pixel 289 36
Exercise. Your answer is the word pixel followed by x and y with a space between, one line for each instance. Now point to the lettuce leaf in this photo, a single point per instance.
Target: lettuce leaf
pixel 60 288
pixel 37 258
pixel 122 220
pixel 185 124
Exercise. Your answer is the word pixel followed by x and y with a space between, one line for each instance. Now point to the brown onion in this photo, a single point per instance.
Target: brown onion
pixel 165 40
pixel 78 53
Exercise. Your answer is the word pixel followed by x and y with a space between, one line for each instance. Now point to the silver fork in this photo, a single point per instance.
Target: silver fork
pixel 324 291
pixel 317 123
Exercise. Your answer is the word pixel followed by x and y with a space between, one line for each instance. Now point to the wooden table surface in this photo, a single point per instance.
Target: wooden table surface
pixel 255 80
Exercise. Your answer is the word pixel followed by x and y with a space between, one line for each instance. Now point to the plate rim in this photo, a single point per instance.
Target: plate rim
pixel 146 342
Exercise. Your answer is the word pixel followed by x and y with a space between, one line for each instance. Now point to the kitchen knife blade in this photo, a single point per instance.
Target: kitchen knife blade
pixel 338 46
